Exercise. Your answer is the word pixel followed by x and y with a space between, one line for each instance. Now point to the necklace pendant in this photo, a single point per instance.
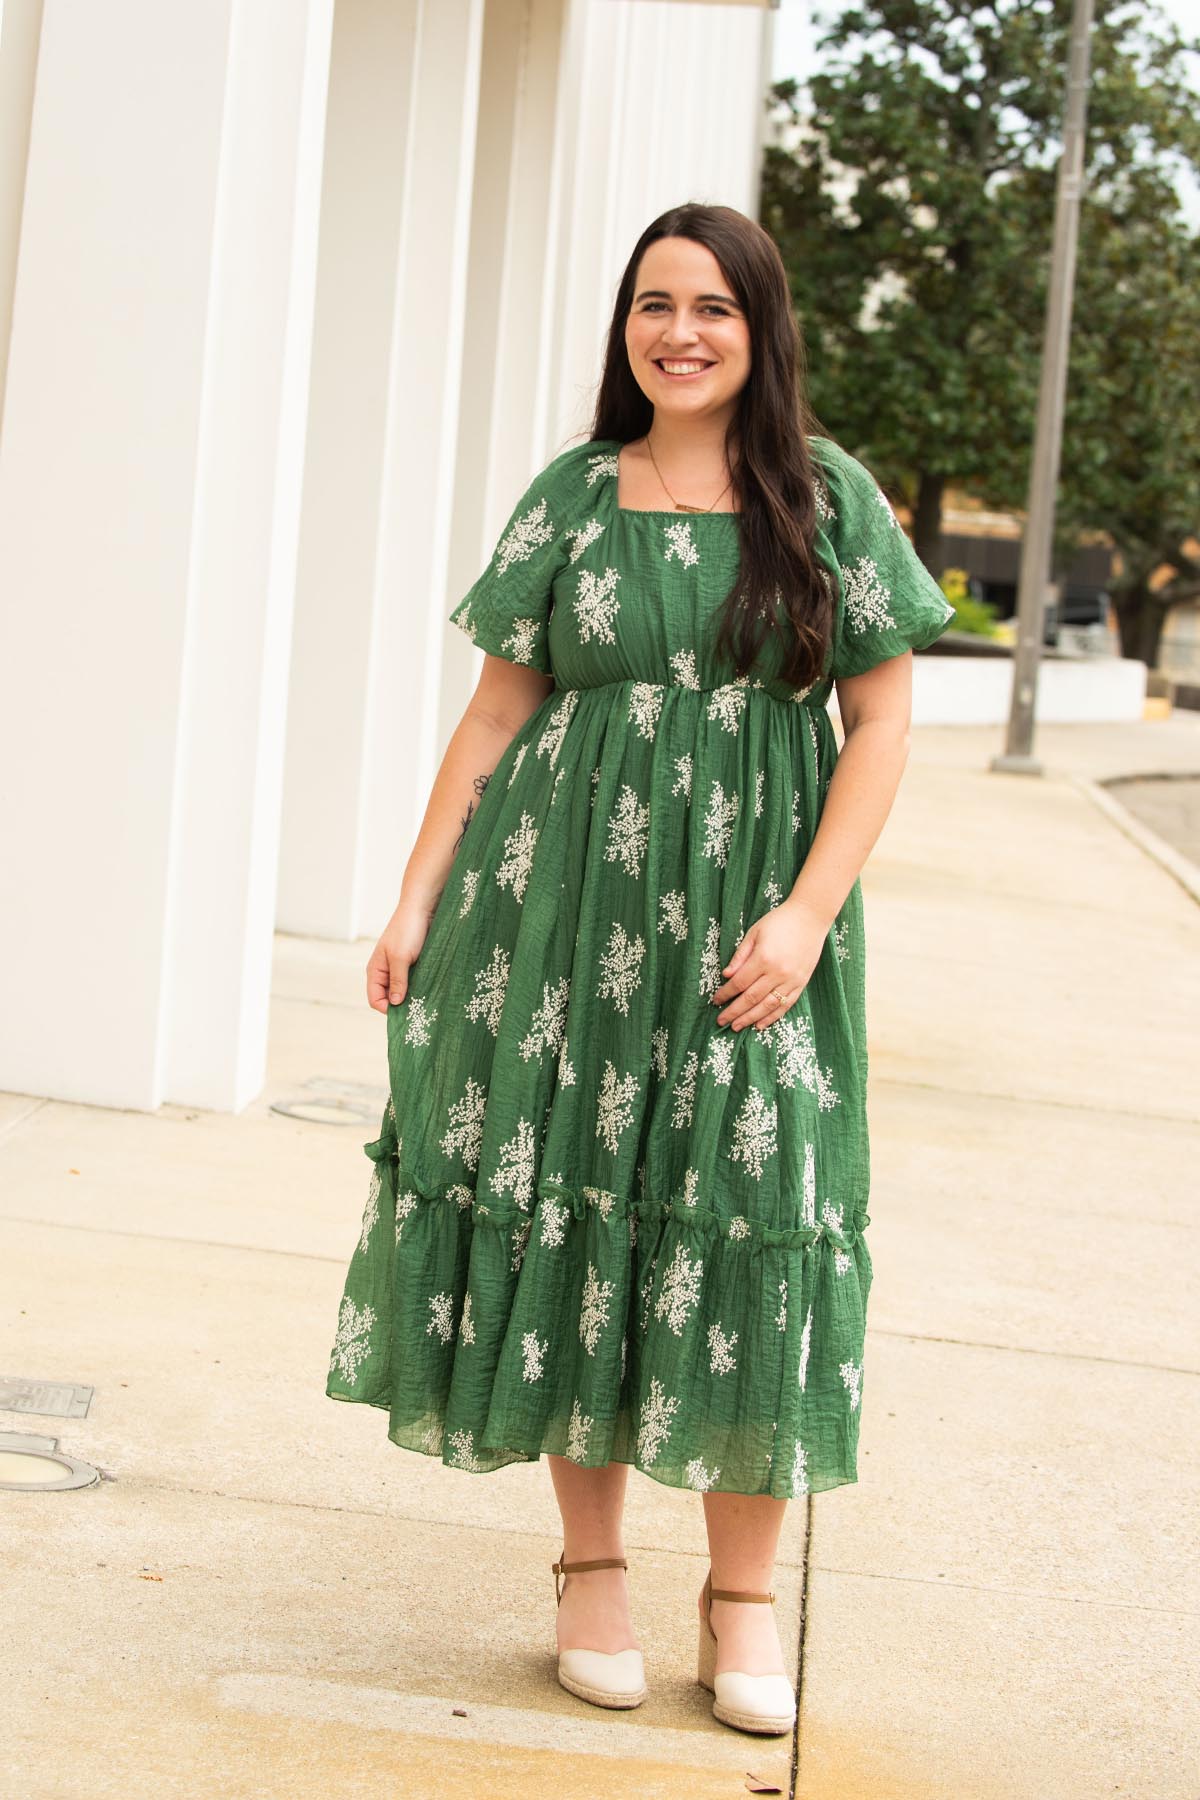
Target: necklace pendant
pixel 682 506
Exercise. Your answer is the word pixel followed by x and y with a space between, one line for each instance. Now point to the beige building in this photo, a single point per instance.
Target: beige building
pixel 295 296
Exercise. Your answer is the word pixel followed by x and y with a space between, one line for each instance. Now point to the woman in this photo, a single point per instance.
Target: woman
pixel 618 1199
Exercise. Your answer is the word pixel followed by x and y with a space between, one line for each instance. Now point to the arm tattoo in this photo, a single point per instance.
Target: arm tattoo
pixel 478 784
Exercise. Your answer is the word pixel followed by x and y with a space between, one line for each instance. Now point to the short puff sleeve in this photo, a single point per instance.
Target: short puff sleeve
pixel 888 600
pixel 507 610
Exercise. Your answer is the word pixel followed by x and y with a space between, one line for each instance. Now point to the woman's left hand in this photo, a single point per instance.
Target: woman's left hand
pixel 776 957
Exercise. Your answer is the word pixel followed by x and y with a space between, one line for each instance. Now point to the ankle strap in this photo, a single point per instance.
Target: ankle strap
pixel 736 1594
pixel 581 1568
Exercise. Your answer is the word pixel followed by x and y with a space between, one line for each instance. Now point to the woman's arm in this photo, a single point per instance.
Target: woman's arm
pixel 781 950
pixel 505 696
pixel 876 711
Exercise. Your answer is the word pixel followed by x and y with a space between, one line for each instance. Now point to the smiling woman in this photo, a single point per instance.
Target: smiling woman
pixel 619 1194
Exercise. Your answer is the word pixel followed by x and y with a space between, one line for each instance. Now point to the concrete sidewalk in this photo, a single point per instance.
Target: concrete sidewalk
pixel 266 1598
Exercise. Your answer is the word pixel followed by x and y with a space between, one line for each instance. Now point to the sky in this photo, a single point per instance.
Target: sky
pixel 795 54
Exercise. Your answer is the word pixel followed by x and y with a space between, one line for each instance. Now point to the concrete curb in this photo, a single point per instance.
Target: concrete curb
pixel 1185 872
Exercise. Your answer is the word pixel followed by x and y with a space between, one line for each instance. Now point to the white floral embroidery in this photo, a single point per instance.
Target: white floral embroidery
pixel 719 1058
pixel 533 1350
pixel 719 822
pixel 851 1374
pixel 710 960
pixel 620 967
pixel 673 914
pixel 679 544
pixel 800 1470
pixel 646 1291
pixel 551 740
pixel 406 1206
pixel 549 1021
pixel 516 1171
pixel 866 596
pixel 578 1432
pixel 781 1315
pixel 824 504
pixel 441 1316
pixel 520 1243
pixel 521 642
pixel 566 1068
pixel 645 704
pixel 683 780
pixel 684 1092
pixel 691 1184
pixel 614 1108
pixel 518 759
pixel 841 1261
pixel 461 1194
pixel 721 1360
pixel 470 888
pixel 796 803
pixel 683 667
pixel 680 1290
pixel 840 944
pixel 727 703
pixel 796 1059
pixel 582 537
pixel 628 829
pixel 805 1346
pixel 491 985
pixel 800 695
pixel 593 1309
pixel 527 534
pixel 754 1132
pixel 466 1124
pixel 370 1216
pixel 466 1325
pixel 420 1018
pixel 655 1427
pixel 658 1051
pixel 596 605
pixel 601 1199
pixel 605 464
pixel 809 1202
pixel 700 1478
pixel 887 506
pixel 461 616
pixel 518 857
pixel 595 779
pixel 816 743
pixel 462 1452
pixel 350 1346
pixel 759 778
pixel 554 1222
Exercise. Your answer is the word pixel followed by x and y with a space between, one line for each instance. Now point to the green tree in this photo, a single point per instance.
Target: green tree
pixel 913 206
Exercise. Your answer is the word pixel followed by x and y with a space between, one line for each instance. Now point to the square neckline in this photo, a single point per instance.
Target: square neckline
pixel 654 512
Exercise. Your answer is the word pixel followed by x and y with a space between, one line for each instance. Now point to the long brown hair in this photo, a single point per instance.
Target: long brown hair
pixel 781 590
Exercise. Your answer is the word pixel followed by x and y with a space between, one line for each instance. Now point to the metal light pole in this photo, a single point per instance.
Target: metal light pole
pixel 1047 444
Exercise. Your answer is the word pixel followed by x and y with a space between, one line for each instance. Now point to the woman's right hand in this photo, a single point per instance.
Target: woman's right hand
pixel 397 949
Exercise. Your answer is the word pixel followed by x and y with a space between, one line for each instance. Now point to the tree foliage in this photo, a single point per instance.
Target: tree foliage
pixel 914 210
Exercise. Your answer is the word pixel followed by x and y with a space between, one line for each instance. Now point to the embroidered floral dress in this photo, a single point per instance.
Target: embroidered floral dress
pixel 598 1223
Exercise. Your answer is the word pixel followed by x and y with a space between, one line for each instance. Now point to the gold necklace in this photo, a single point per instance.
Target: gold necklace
pixel 682 505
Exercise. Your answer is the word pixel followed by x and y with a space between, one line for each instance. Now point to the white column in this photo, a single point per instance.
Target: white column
pixel 380 483
pixel 149 502
pixel 20 29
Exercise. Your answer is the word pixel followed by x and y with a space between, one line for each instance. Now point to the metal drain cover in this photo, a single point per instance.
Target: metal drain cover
pixel 57 1399
pixel 33 1464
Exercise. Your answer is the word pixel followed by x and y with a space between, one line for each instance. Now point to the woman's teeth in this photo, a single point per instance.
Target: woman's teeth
pixel 682 368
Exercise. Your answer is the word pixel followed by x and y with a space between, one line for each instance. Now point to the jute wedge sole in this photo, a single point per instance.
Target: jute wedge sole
pixel 614 1678
pixel 760 1703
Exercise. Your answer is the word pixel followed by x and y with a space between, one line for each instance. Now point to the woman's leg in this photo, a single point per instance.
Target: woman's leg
pixel 743 1533
pixel 594 1614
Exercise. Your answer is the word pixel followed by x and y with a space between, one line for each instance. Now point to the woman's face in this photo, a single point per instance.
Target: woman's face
pixel 686 336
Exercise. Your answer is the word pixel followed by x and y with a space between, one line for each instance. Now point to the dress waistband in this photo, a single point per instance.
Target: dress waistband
pixel 813 698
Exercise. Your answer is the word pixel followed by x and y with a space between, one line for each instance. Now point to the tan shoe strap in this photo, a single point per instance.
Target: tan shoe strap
pixel 737 1594
pixel 581 1568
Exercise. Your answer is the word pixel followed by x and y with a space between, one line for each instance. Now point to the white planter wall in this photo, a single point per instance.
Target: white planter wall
pixel 968 690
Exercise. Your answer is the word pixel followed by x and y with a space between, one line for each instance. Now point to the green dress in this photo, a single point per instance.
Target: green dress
pixel 598 1224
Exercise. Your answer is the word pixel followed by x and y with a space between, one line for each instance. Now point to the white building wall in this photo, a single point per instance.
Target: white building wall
pixel 204 559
